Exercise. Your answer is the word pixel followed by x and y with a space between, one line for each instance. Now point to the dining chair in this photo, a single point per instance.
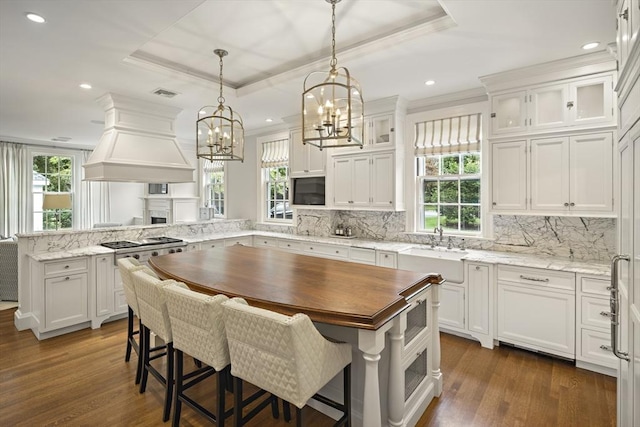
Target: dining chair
pixel 198 330
pixel 286 356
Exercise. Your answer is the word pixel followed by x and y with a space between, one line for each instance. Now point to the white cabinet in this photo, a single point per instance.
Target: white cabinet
pixel 379 131
pixel 509 175
pixel 593 325
pixel 66 293
pixel 565 104
pixel 362 255
pixel 364 181
pixel 304 159
pixel 452 313
pixel 103 269
pixel 627 25
pixel 386 259
pixel 120 305
pixel 572 174
pixel 536 309
pixel 480 323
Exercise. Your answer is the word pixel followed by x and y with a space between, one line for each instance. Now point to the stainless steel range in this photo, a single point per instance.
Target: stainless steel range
pixel 144 249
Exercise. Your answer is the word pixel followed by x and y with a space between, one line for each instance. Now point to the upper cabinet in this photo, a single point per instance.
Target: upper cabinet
pixel 628 24
pixel 380 131
pixel 305 159
pixel 570 104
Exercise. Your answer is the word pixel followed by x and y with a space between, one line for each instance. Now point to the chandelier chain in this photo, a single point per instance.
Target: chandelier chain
pixel 334 61
pixel 221 98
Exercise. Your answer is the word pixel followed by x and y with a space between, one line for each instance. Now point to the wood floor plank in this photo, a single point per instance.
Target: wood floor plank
pixel 81 379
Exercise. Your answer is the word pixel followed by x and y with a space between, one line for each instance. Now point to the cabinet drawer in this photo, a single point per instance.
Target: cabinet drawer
pixel 363 256
pixel 537 277
pixel 290 245
pixel 72 265
pixel 328 251
pixel 193 247
pixel 244 241
pixel 591 285
pixel 260 241
pixel 596 312
pixel 418 314
pixel 212 244
pixel 387 259
pixel 596 348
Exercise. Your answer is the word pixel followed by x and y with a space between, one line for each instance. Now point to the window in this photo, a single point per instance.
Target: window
pixel 51 174
pixel 214 187
pixel 274 164
pixel 448 171
pixel 449 188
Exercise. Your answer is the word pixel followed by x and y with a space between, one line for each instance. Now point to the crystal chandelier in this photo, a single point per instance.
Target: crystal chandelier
pixel 220 132
pixel 332 105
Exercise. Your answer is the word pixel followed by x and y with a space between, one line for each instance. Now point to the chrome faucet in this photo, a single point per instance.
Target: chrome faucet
pixel 432 241
pixel 450 243
pixel 439 231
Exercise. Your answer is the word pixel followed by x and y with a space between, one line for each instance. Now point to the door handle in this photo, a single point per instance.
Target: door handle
pixel 614 306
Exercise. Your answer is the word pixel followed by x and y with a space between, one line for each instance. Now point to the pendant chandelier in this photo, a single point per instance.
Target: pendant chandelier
pixel 332 105
pixel 220 132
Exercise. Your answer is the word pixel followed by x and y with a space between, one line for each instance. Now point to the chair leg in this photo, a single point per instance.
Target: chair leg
pixel 169 383
pixel 179 359
pixel 286 410
pixel 146 337
pixel 127 355
pixel 222 379
pixel 298 417
pixel 140 351
pixel 237 402
pixel 347 394
pixel 275 412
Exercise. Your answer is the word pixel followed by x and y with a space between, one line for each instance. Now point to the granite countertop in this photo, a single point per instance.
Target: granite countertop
pixel 490 257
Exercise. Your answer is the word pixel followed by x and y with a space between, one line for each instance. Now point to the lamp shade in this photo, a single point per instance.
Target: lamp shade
pixel 56 201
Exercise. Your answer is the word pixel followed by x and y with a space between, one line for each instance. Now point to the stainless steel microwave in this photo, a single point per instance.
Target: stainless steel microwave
pixel 309 191
pixel 158 188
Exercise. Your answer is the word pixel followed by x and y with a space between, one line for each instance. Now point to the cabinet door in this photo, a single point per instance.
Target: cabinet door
pixel 537 318
pixel 479 298
pixel 361 181
pixel 317 160
pixel 550 174
pixel 624 27
pixel 591 169
pixel 342 181
pixel 508 113
pixel 548 107
pixel 298 154
pixel 382 180
pixel 66 300
pixel 591 101
pixel 387 259
pixel 104 282
pixel 452 306
pixel 380 130
pixel 509 175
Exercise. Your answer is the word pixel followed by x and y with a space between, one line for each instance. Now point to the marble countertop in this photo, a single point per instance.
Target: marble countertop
pixel 490 257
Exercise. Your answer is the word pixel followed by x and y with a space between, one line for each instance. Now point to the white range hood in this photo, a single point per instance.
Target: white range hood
pixel 138 144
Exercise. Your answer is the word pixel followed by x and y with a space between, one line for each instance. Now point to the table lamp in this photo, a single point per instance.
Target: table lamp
pixel 56 201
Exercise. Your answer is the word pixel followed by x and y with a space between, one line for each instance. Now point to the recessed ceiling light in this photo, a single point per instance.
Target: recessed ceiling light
pixel 430 82
pixel 34 17
pixel 85 86
pixel 268 120
pixel 591 45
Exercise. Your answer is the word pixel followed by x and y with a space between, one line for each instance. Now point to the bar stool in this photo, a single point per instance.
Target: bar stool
pixel 286 356
pixel 126 266
pixel 155 318
pixel 198 330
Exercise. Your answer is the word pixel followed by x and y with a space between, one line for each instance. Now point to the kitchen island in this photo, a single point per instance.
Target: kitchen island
pixel 356 301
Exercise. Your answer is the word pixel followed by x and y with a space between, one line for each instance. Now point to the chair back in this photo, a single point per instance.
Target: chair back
pixel 152 303
pixel 284 355
pixel 126 266
pixel 197 325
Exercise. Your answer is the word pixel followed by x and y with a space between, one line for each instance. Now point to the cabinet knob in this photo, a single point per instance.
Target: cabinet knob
pixel 572 204
pixel 493 115
pixel 494 203
pixel 570 104
pixel 566 204
pixel 386 255
pixel 66 278
pixel 605 314
pixel 625 15
pixel 420 301
pixel 311 248
pixel 477 267
pixel 605 347
pixel 66 266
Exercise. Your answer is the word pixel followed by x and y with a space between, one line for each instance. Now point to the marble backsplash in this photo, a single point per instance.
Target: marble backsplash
pixel 577 238
pixel 53 241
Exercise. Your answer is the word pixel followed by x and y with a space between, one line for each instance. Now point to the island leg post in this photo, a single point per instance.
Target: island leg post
pixel 396 375
pixel 371 344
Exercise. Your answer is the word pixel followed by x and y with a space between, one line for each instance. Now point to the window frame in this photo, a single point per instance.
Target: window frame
pixel 206 184
pixel 262 175
pixel 412 188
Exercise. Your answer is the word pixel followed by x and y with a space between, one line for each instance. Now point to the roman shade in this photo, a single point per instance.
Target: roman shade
pixel 209 166
pixel 275 153
pixel 450 135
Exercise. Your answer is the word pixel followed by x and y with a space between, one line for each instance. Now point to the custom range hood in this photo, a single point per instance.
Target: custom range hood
pixel 138 144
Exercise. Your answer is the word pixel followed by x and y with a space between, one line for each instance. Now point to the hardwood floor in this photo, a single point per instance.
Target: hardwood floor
pixel 81 379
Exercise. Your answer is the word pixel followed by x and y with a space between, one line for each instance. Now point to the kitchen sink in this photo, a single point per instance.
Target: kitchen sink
pixel 446 262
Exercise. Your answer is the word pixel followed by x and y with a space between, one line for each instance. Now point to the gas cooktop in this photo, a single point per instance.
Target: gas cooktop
pixel 149 241
pixel 120 244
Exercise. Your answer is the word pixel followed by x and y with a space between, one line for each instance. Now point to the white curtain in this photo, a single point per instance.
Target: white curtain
pixel 450 135
pixel 95 201
pixel 275 153
pixel 15 188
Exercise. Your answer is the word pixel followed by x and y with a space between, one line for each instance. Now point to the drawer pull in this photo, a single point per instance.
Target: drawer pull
pixel 66 278
pixel 605 314
pixel 420 301
pixel 66 266
pixel 606 347
pixel 533 279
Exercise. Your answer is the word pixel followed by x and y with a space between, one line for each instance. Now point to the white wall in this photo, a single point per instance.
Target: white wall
pixel 242 184
pixel 126 201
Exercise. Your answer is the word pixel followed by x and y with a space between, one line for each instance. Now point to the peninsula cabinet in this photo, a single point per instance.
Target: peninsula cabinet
pixel 572 103
pixel 305 159
pixel 63 300
pixel 104 269
pixel 364 181
pixel 572 174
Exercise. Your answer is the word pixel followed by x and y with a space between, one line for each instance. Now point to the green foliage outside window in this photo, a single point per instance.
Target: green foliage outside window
pixel 58 172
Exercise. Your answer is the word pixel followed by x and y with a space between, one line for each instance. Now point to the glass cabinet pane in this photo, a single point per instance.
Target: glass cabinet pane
pixel 416 322
pixel 415 374
pixel 549 105
pixel 508 110
pixel 590 101
pixel 381 130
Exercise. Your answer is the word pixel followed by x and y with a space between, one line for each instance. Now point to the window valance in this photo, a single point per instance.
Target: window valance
pixel 450 135
pixel 213 166
pixel 275 153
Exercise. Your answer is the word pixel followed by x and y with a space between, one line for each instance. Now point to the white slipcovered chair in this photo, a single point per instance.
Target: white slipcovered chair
pixel 198 330
pixel 155 318
pixel 126 266
pixel 286 356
